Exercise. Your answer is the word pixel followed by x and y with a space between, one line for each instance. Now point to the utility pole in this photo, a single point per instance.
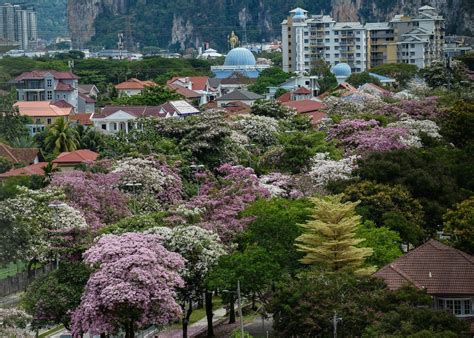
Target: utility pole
pixel 240 310
pixel 335 321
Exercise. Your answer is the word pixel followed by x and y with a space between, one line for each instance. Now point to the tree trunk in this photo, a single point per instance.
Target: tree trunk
pixel 209 314
pixel 132 329
pixel 232 310
pixel 254 305
pixel 186 318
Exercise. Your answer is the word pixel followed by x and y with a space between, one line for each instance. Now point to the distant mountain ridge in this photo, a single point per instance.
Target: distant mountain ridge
pixel 179 24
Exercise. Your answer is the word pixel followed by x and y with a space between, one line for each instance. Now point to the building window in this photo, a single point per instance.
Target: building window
pixel 49 95
pixel 48 121
pixel 336 55
pixel 306 41
pixel 358 54
pixel 328 56
pixel 458 307
pixel 336 33
pixel 357 39
pixel 306 33
pixel 336 47
pixel 38 121
pixel 326 40
pixel 336 40
pixel 104 126
pixel 49 83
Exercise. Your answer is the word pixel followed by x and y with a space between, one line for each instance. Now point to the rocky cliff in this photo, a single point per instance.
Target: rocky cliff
pixel 180 24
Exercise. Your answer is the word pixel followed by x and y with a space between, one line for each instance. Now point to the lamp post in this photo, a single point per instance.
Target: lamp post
pixel 239 304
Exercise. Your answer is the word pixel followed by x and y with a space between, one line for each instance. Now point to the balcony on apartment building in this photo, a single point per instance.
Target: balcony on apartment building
pixel 35 85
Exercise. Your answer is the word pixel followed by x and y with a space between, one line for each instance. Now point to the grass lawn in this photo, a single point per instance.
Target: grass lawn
pixel 11 269
pixel 199 314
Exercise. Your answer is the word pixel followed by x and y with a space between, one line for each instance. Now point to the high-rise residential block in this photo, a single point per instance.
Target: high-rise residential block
pixel 18 25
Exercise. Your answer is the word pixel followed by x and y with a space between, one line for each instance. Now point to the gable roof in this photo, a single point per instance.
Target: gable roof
pixel 82 119
pixel 169 108
pixel 187 93
pixel 40 74
pixel 42 109
pixel 134 83
pixel 237 78
pixel 33 169
pixel 87 99
pixel 24 156
pixel 86 88
pixel 77 156
pixel 302 91
pixel 197 82
pixel 436 267
pixel 240 95
pixel 286 97
pixel 64 87
pixel 305 106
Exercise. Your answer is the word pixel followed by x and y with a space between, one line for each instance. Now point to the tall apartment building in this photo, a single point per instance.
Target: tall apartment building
pixel 18 24
pixel 307 38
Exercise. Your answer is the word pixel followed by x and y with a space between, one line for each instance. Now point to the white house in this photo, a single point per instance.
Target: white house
pixel 112 119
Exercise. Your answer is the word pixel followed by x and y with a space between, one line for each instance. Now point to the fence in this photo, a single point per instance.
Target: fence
pixel 20 281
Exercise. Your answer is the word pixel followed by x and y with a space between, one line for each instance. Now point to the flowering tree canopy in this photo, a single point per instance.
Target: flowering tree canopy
pixel 280 185
pixel 259 129
pixel 13 323
pixel 324 169
pixel 224 198
pixel 152 177
pixel 134 285
pixel 96 195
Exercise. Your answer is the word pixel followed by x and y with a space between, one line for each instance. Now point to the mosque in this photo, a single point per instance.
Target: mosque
pixel 238 60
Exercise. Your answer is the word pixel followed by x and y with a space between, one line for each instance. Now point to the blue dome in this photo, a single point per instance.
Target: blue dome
pixel 240 57
pixel 341 69
pixel 299 14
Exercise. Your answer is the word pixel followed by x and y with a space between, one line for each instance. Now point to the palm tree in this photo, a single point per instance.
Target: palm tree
pixel 61 136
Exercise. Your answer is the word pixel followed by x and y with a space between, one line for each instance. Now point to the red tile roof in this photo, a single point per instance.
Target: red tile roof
pixel 77 156
pixel 302 91
pixel 237 107
pixel 197 82
pixel 64 87
pixel 34 169
pixel 305 106
pixel 62 104
pixel 285 97
pixel 187 93
pixel 134 84
pixel 39 74
pixel 24 156
pixel 82 118
pixel 438 268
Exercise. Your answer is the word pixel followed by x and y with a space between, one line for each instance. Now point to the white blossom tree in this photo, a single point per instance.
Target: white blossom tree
pixel 324 169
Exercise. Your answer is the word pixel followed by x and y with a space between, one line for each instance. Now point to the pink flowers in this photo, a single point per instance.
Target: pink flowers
pixel 96 195
pixel 135 282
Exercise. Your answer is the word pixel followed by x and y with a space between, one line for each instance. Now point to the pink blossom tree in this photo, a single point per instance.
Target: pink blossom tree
pixel 224 198
pixel 96 195
pixel 134 285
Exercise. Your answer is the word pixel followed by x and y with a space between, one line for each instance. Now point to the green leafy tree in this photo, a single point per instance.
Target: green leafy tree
pixel 402 72
pixel 327 80
pixel 275 227
pixel 12 124
pixel 384 242
pixel 89 138
pixel 305 305
pixel 382 203
pixel 61 136
pixel 449 75
pixel 457 124
pixel 358 79
pixel 329 238
pixel 151 96
pixel 5 164
pixel 269 77
pixel 51 298
pixel 459 223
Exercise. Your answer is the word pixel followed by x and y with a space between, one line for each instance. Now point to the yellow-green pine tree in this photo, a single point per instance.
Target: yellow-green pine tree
pixel 329 238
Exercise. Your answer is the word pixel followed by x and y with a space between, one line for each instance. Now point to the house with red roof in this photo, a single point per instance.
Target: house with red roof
pixel 69 160
pixel 445 273
pixel 113 119
pixel 30 170
pixel 193 88
pixel 48 85
pixel 133 87
pixel 311 108
pixel 44 113
pixel 21 156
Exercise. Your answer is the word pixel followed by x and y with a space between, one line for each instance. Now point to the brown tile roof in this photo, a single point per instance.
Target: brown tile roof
pixel 39 74
pixel 237 107
pixel 86 88
pixel 34 169
pixel 24 156
pixel 187 93
pixel 438 268
pixel 82 119
pixel 134 84
pixel 62 104
pixel 77 156
pixel 87 99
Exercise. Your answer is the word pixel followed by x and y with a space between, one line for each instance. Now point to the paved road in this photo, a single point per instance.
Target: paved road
pixel 258 328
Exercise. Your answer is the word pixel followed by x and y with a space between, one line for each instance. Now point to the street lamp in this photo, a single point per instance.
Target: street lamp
pixel 239 304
